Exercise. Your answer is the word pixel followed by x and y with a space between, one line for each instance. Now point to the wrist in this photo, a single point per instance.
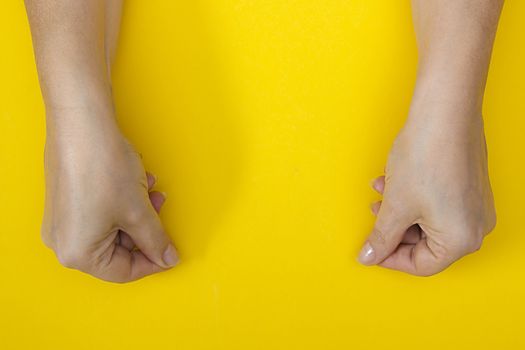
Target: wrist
pixel 451 86
pixel 76 87
pixel 75 103
pixel 442 96
pixel 86 98
pixel 453 78
pixel 81 122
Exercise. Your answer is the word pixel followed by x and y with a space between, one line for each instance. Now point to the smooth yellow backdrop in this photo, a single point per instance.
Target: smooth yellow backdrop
pixel 264 121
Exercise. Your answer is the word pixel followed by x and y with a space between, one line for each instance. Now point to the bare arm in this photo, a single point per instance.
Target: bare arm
pixel 437 200
pixel 73 49
pixel 455 40
pixel 99 204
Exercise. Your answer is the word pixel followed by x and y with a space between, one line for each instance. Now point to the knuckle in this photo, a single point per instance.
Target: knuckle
pixel 115 278
pixel 392 213
pixel 440 250
pixel 378 235
pixel 66 259
pixel 426 272
pixel 387 224
pixel 118 280
pixel 471 242
pixel 432 267
pixel 475 244
pixel 136 215
pixel 491 222
pixel 45 236
pixel 72 257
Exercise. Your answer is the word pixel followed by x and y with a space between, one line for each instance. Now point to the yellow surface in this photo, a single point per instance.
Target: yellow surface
pixel 265 121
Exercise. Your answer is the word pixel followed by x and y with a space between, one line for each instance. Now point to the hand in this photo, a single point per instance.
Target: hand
pixel 437 201
pixel 100 216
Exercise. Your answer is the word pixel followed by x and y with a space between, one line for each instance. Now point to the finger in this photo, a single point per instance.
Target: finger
pixel 416 259
pixel 126 266
pixel 374 207
pixel 412 235
pixel 152 179
pixel 125 240
pixel 157 200
pixel 146 230
pixel 391 224
pixel 378 184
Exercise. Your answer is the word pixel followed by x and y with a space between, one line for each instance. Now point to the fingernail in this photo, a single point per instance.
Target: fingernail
pixel 376 185
pixel 155 178
pixel 170 257
pixel 367 255
pixel 164 194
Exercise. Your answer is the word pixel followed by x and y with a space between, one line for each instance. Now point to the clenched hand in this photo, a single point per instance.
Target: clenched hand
pixel 437 201
pixel 100 213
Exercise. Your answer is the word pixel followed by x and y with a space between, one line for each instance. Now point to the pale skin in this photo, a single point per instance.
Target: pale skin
pixel 101 210
pixel 437 201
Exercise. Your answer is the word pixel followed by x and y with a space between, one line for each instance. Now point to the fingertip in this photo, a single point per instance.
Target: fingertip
pixel 414 259
pixel 170 256
pixel 127 266
pixel 141 266
pixel 374 207
pixel 157 200
pixel 152 180
pixel 378 184
pixel 148 233
pixel 367 254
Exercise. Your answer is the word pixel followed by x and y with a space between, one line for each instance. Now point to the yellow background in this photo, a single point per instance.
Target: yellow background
pixel 265 121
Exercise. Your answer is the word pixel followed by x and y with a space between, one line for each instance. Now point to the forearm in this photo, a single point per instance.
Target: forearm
pixel 437 201
pixel 455 39
pixel 74 42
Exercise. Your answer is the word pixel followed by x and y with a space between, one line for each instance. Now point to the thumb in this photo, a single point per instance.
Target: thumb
pixel 149 236
pixel 389 229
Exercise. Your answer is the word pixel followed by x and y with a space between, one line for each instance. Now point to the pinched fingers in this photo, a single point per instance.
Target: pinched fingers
pixel 416 253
